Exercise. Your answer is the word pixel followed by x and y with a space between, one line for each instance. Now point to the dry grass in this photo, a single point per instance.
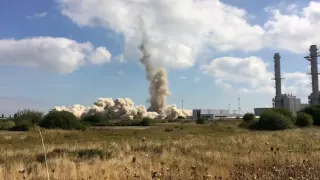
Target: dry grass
pixel 185 152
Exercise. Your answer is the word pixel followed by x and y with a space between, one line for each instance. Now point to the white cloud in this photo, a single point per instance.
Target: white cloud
pixel 177 30
pixel 183 77
pixel 294 32
pixel 222 84
pixel 297 83
pixel 253 75
pixel 38 15
pixel 100 56
pixel 251 71
pixel 59 55
pixel 43 14
pixel 180 31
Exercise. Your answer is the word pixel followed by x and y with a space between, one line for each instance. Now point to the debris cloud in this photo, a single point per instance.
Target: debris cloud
pixel 123 108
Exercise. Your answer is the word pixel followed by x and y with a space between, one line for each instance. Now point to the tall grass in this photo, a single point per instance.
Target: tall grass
pixel 188 151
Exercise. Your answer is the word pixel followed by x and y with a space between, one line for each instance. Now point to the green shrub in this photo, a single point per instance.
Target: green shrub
pixel 304 120
pixel 248 117
pixel 254 125
pixel 94 119
pixel 146 122
pixel 201 120
pixel 6 125
pixel 284 112
pixel 314 111
pixel 20 127
pixel 272 120
pixel 61 120
pixel 27 117
pixel 249 125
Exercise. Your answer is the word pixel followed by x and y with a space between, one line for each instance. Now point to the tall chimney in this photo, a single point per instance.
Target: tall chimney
pixel 277 74
pixel 314 68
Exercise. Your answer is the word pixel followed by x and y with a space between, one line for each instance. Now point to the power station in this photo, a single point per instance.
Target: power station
pixel 285 101
pixel 288 101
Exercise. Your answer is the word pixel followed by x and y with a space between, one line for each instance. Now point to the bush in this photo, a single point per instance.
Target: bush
pixel 201 121
pixel 314 111
pixel 250 125
pixel 272 120
pixel 94 119
pixel 304 120
pixel 6 125
pixel 248 117
pixel 61 120
pixel 284 112
pixel 20 127
pixel 27 117
pixel 146 122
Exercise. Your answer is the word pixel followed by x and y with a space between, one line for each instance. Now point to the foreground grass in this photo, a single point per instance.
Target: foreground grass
pixel 167 151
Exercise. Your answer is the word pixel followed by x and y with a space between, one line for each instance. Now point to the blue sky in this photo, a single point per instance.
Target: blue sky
pixel 31 77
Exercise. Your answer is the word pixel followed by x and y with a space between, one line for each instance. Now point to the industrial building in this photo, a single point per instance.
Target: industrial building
pixel 288 101
pixel 259 111
pixel 210 113
pixel 285 101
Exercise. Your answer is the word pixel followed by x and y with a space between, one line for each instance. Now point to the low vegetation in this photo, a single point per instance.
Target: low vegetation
pixel 304 120
pixel 181 150
pixel 61 120
pixel 273 120
pixel 248 117
pixel 163 151
pixel 27 119
pixel 6 124
pixel 314 111
pixel 201 120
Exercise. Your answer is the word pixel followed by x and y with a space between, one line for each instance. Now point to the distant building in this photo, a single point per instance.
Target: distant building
pixel 288 102
pixel 259 111
pixel 210 113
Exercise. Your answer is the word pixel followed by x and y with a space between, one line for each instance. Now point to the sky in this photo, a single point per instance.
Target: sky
pixel 65 52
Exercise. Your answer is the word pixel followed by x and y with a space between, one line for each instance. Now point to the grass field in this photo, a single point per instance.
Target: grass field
pixel 163 151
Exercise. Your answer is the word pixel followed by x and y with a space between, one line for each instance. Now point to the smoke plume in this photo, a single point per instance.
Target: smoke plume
pixel 124 108
pixel 158 88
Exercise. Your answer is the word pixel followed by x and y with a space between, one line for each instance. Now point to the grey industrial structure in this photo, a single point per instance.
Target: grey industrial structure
pixel 210 113
pixel 288 101
pixel 314 97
